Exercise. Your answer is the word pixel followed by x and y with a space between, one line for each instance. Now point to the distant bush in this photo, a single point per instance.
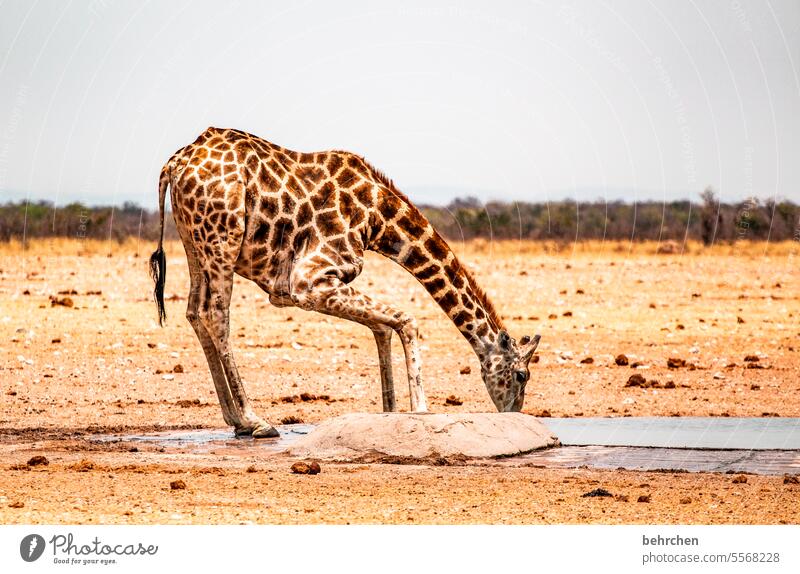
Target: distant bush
pixel 709 221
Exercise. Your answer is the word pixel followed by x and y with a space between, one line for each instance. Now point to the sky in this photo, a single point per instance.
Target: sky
pixel 533 101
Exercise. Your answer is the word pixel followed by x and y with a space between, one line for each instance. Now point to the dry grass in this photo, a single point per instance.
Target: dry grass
pixel 501 248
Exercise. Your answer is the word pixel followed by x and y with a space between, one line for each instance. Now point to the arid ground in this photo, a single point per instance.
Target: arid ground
pixel 82 355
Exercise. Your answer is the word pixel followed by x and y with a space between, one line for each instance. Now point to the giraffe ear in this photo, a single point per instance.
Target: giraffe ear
pixel 503 340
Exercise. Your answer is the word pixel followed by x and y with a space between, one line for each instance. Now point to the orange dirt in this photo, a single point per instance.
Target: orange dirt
pixel 104 365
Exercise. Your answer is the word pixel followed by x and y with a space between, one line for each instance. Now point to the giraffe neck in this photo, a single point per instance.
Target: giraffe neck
pixel 434 264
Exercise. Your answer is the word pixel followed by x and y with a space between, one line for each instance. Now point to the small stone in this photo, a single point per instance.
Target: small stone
pixel 61 302
pixel 739 320
pixel 17 504
pixel 643 498
pixel 621 360
pixel 587 361
pixel 596 492
pixel 676 363
pixel 306 467
pixel 84 465
pixel 453 401
pixel 465 371
pixel 251 468
pixel 567 313
pixel 38 460
pixel 755 387
pixel 177 368
pixel 741 479
pixel 669 385
pixel 791 479
pixel 636 380
pixel 751 358
pixel 621 498
pixel 177 485
pixel 291 420
pixel 685 500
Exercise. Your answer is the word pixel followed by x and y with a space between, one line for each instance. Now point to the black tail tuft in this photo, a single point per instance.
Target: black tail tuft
pixel 158 271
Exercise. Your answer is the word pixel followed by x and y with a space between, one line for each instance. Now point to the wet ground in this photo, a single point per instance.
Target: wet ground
pixel 706 333
pixel 703 444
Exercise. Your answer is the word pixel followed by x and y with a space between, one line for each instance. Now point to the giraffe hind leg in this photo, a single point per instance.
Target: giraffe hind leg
pixel 215 316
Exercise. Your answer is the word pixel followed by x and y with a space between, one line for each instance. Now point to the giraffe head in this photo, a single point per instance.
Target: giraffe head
pixel 505 370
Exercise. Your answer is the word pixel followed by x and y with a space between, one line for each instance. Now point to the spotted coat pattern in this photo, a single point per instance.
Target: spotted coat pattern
pixel 297 224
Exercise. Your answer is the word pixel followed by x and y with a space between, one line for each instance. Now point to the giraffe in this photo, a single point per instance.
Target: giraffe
pixel 297 224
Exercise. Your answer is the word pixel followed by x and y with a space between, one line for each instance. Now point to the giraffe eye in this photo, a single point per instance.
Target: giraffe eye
pixel 520 376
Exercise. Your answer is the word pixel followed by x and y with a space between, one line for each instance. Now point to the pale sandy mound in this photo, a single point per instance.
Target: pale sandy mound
pixel 373 436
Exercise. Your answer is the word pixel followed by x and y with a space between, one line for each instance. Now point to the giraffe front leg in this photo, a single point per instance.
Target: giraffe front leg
pixel 383 338
pixel 327 294
pixel 409 336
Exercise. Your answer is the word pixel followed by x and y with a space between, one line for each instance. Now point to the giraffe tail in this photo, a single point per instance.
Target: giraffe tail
pixel 158 260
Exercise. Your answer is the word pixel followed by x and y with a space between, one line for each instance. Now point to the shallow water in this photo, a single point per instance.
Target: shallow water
pixel 693 444
pixel 202 440
pixel 679 432
pixel 643 458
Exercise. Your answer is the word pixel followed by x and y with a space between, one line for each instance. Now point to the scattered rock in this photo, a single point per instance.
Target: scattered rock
pixel 621 360
pixel 791 479
pixel 685 500
pixel 291 420
pixel 636 380
pixel 676 363
pixel 306 397
pixel 596 492
pixel 643 498
pixel 19 466
pixel 465 371
pixel 84 465
pixel 751 358
pixel 755 366
pixel 61 301
pixel 306 467
pixel 177 485
pixel 177 368
pixel 454 401
pixel 94 292
pixel 17 504
pixel 38 460
pixel 587 361
pixel 68 292
pixel 543 414
pixel 741 479
pixel 187 403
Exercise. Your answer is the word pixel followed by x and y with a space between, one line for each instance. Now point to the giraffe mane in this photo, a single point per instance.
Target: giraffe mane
pixel 483 299
pixel 478 292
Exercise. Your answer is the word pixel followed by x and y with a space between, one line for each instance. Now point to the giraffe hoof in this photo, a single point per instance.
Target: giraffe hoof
pixel 265 431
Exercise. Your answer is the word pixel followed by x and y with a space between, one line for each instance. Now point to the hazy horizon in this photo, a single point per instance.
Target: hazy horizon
pixel 530 102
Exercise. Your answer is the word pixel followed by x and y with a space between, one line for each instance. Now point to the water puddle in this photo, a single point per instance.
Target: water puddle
pixel 775 462
pixel 692 444
pixel 204 440
pixel 720 433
